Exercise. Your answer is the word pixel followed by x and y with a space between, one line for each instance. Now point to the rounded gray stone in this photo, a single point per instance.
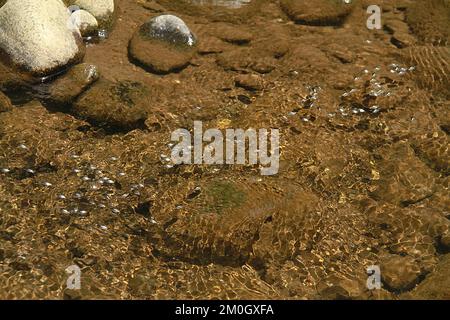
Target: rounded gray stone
pixel 85 22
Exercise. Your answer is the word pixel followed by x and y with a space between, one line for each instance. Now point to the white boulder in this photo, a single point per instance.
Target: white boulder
pixel 36 36
pixel 85 22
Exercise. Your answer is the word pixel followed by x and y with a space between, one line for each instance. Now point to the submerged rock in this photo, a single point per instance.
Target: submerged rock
pixel 250 82
pixel 36 38
pixel 64 90
pixel 429 20
pixel 85 22
pixel 5 103
pixel 231 34
pixel 102 10
pixel 400 273
pixel 121 105
pixel 437 284
pixel 319 12
pixel 404 179
pixel 163 44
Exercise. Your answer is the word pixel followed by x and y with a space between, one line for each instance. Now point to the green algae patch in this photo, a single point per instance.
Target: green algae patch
pixel 222 195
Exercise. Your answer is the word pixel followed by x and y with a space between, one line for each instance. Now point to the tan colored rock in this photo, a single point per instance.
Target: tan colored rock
pixel 319 12
pixel 399 273
pixel 122 105
pixel 250 82
pixel 436 285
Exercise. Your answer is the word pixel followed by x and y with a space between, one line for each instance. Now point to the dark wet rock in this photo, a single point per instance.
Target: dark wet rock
pixel 102 10
pixel 250 82
pixel 399 273
pixel 320 12
pixel 163 44
pixel 121 104
pixel 85 22
pixel 5 103
pixel 429 20
pixel 69 86
pixel 437 284
pixel 404 179
pixel 47 43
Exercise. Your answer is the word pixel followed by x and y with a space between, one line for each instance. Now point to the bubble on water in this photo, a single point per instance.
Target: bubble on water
pixel 103 34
